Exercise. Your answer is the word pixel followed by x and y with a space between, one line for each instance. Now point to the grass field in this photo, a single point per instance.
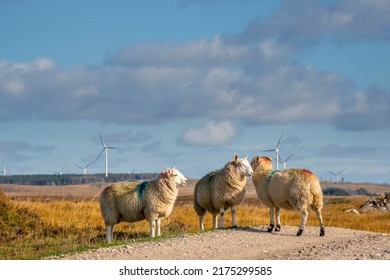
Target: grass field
pixel 35 227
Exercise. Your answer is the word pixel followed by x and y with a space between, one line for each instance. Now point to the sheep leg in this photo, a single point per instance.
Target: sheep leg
pixel 277 214
pixel 158 227
pixel 221 214
pixel 152 223
pixel 234 223
pixel 201 223
pixel 304 215
pixel 215 219
pixel 109 230
pixel 112 232
pixel 271 218
pixel 319 217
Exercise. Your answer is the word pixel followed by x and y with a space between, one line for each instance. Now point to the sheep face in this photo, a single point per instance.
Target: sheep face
pixel 261 163
pixel 175 175
pixel 243 166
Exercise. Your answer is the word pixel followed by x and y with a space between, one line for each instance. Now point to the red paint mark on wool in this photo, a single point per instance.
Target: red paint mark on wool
pixel 307 172
pixel 266 159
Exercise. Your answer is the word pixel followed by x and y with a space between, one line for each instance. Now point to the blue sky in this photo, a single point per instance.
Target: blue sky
pixel 189 82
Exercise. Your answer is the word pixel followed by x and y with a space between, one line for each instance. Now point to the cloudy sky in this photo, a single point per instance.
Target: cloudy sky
pixel 189 82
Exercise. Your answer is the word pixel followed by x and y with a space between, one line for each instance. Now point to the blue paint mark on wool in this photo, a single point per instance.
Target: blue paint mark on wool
pixel 141 188
pixel 270 174
pixel 209 181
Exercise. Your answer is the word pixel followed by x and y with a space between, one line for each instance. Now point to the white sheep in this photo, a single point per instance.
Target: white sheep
pixel 291 188
pixel 221 189
pixel 135 201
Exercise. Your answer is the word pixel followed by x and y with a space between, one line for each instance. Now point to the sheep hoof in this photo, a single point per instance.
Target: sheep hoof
pixel 270 228
pixel 300 231
pixel 322 231
pixel 235 226
pixel 278 227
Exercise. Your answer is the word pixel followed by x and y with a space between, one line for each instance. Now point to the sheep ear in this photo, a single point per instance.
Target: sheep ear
pixel 256 159
pixel 169 172
pixel 235 157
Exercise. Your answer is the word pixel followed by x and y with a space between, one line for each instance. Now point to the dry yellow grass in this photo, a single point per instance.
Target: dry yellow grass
pixel 86 214
pixel 72 225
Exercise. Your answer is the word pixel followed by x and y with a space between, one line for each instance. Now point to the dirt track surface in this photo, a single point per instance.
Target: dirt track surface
pixel 250 243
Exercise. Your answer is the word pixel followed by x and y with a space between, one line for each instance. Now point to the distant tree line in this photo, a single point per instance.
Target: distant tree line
pixel 73 179
pixel 342 192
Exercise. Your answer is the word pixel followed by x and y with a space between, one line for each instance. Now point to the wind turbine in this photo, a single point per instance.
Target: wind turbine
pixel 84 168
pixel 285 161
pixel 276 150
pixel 105 149
pixel 4 171
pixel 336 174
pixel 60 172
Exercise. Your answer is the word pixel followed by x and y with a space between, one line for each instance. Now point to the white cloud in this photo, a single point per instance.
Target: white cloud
pixel 250 77
pixel 22 150
pixel 39 64
pixel 337 151
pixel 44 63
pixel 210 134
pixel 250 87
pixel 196 53
pixel 87 90
pixel 302 23
pixel 12 74
pixel 365 111
pixel 13 87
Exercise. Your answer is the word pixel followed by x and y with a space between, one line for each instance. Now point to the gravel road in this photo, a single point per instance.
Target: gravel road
pixel 252 243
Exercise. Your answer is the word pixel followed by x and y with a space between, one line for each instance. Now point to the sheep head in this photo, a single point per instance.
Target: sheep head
pixel 174 175
pixel 261 163
pixel 242 165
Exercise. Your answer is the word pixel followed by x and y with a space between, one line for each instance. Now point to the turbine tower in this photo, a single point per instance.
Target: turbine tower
pixel 276 150
pixel 336 174
pixel 105 149
pixel 285 161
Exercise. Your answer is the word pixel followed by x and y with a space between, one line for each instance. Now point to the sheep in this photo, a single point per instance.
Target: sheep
pixel 291 188
pixel 221 189
pixel 135 201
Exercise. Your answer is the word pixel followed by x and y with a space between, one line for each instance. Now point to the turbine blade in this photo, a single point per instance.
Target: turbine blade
pixel 340 172
pixel 78 166
pixel 332 173
pixel 113 148
pixel 289 157
pixel 101 139
pixel 99 155
pixel 277 145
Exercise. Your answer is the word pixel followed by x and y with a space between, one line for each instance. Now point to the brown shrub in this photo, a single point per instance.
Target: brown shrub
pixel 17 222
